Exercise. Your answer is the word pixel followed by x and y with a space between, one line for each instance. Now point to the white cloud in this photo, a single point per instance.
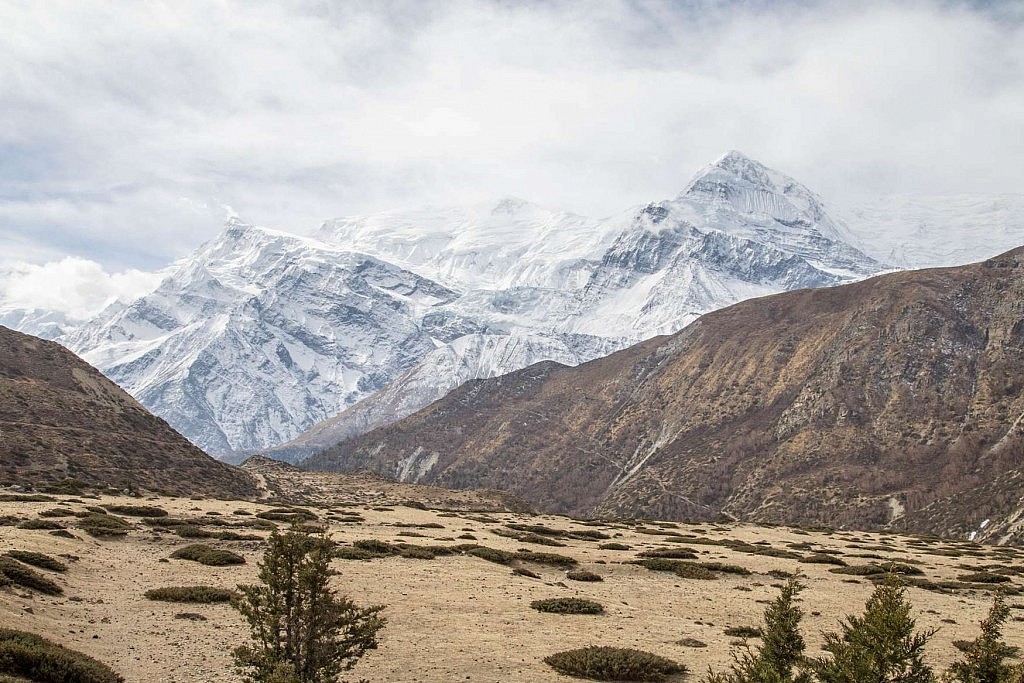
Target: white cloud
pixel 75 287
pixel 125 127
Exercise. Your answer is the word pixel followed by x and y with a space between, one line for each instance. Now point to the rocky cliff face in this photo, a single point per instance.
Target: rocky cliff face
pixel 894 401
pixel 60 418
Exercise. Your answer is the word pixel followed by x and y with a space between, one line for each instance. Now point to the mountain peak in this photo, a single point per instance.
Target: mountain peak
pixel 509 205
pixel 736 167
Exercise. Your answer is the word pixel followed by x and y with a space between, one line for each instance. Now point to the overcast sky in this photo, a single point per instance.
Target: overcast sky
pixel 130 130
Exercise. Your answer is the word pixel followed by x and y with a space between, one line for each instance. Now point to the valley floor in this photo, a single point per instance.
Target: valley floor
pixel 460 617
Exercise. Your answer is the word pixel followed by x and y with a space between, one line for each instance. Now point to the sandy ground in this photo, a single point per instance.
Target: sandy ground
pixel 458 617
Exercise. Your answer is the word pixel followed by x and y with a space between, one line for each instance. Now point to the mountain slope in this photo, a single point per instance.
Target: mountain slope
pixel 875 403
pixel 61 418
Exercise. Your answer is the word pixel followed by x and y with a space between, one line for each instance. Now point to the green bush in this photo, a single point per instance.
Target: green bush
pixel 57 512
pixel 192 594
pixel 350 553
pixel 549 559
pixel 372 545
pixel 38 560
pixel 583 575
pixel 614 546
pixel 822 558
pixel 687 570
pixel 492 554
pixel 32 657
pixel 45 524
pixel 671 553
pixel 289 515
pixel 567 606
pixel 725 568
pixel 743 632
pixel 103 525
pixel 860 570
pixel 613 664
pixel 984 577
pixel 208 555
pixel 23 575
pixel 137 510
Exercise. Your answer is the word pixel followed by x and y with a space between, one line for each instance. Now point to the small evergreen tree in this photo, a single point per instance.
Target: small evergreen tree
pixel 302 631
pixel 879 647
pixel 782 646
pixel 985 658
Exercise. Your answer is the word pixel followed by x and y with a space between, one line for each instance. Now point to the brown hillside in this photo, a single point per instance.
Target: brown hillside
pixel 60 418
pixel 895 401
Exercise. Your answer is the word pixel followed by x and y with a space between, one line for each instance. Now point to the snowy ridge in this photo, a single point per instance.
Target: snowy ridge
pixel 260 335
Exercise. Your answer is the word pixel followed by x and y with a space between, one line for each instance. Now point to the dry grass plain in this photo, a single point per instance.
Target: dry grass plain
pixel 460 617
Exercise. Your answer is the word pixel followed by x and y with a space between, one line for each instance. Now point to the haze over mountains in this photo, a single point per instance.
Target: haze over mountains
pixel 894 401
pixel 261 337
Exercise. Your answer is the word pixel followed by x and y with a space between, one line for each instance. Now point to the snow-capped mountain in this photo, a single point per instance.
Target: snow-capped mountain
pixel 570 290
pixel 259 335
pixel 922 231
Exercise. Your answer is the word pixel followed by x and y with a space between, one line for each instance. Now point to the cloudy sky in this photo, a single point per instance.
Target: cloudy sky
pixel 130 130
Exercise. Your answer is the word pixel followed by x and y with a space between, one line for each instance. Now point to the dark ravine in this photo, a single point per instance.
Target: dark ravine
pixel 892 402
pixel 60 418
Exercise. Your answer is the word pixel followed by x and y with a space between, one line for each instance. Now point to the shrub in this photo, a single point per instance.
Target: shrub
pixel 687 570
pixel 880 646
pixel 416 552
pixel 583 575
pixel 567 606
pixel 35 658
pixel 302 631
pixel 350 553
pixel 103 525
pixel 38 560
pixel 659 564
pixel 208 555
pixel 550 559
pixel 137 510
pixel 492 554
pixel 57 512
pixel 23 575
pixel 46 524
pixel 614 546
pixel 860 570
pixel 822 558
pixel 380 548
pixel 289 515
pixel 984 577
pixel 743 632
pixel 613 664
pixel 670 553
pixel 192 594
pixel 726 568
